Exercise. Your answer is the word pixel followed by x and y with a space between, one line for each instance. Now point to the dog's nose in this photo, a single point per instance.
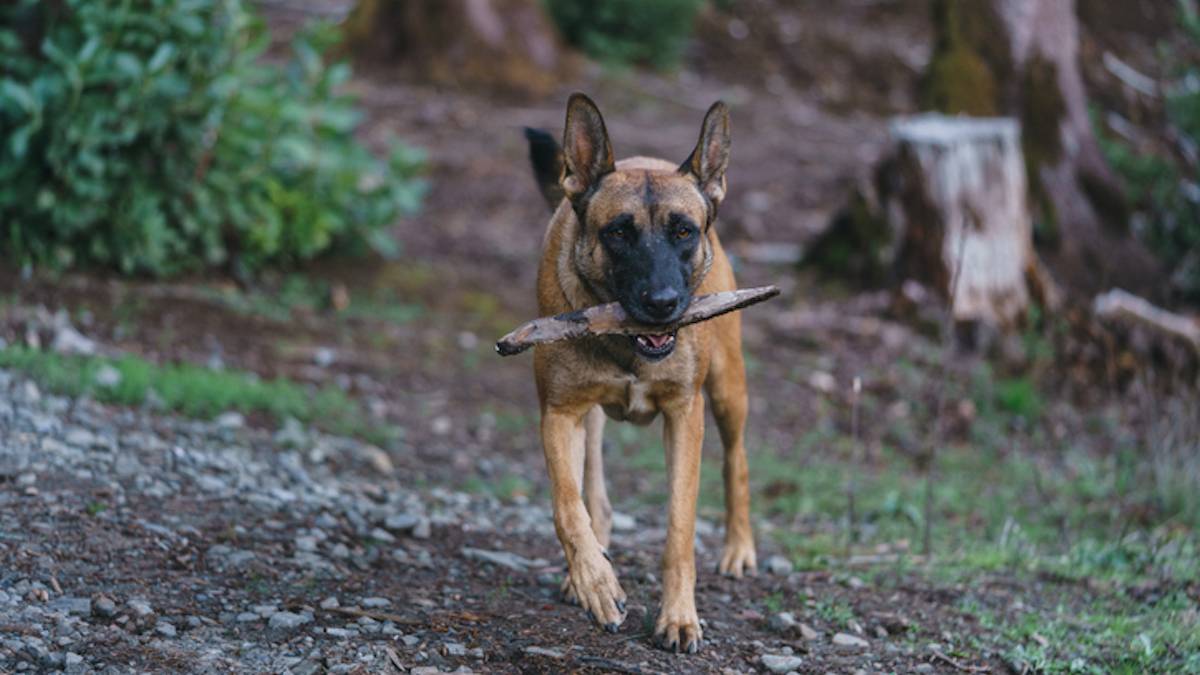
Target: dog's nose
pixel 661 303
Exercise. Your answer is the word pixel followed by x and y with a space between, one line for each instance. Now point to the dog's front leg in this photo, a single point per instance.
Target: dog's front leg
pixel 591 573
pixel 678 626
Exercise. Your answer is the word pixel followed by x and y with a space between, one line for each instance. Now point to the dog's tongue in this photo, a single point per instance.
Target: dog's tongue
pixel 657 341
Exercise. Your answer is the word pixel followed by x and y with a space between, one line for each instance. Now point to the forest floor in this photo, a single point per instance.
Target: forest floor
pixel 380 502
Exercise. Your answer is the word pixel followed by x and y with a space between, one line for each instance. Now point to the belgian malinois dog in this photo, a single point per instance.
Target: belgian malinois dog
pixel 640 232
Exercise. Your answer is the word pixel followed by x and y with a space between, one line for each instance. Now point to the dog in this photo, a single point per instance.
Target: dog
pixel 641 232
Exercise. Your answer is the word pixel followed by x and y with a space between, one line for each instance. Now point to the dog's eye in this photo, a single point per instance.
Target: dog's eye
pixel 683 232
pixel 615 233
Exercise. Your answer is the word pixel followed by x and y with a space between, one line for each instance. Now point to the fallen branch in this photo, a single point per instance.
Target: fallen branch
pixel 1119 304
pixel 611 319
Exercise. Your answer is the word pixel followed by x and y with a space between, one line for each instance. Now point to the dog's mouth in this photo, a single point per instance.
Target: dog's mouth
pixel 653 346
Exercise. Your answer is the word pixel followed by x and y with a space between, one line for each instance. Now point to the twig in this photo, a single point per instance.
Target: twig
pixel 852 529
pixel 611 319
pixel 961 666
pixel 939 408
pixel 378 616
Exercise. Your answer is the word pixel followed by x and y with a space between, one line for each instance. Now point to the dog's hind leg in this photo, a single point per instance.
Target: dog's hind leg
pixel 726 387
pixel 595 493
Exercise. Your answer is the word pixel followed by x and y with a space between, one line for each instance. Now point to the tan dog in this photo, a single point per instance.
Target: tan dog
pixel 640 232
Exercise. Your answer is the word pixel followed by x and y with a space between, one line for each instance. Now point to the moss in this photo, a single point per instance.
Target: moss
pixel 959 79
pixel 1042 110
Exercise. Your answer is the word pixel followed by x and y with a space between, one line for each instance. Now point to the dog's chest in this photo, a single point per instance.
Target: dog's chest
pixel 631 400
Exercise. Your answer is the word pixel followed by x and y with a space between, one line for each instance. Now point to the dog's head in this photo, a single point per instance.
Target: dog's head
pixel 644 232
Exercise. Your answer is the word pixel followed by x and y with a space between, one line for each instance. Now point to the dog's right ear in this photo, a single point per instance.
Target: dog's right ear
pixel 586 149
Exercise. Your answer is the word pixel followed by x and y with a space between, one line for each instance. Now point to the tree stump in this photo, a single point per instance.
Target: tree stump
pixel 956 201
pixel 501 46
pixel 1021 58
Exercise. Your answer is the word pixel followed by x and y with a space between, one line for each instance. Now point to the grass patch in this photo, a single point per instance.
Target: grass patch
pixel 193 391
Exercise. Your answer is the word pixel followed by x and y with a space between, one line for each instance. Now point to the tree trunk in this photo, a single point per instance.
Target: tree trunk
pixel 955 197
pixel 1020 57
pixel 503 46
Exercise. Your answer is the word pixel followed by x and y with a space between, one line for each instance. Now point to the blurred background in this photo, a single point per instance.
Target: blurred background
pixel 254 256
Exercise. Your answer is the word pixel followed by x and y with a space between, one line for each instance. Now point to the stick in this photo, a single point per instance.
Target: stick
pixel 611 319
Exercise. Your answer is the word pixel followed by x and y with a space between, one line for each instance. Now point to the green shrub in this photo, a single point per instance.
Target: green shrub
pixel 627 31
pixel 151 138
pixel 1163 190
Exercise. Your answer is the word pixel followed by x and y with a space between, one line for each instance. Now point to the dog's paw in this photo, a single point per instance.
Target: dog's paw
pixel 679 632
pixel 593 585
pixel 738 558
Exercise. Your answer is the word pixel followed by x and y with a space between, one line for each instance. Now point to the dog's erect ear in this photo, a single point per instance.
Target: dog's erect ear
pixel 711 155
pixel 586 149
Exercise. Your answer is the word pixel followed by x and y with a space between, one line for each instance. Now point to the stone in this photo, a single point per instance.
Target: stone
pixel 542 651
pixel 104 607
pixel 808 632
pixel 231 420
pixel 782 622
pixel 108 376
pixel 288 620
pixel 375 603
pixel 330 603
pixel 849 642
pixel 401 522
pixel 779 565
pixel 140 607
pixel 165 629
pixel 511 561
pixel 423 530
pixel 781 663
pixel 454 649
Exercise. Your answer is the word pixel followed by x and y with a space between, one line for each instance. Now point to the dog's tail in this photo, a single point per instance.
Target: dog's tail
pixel 546 157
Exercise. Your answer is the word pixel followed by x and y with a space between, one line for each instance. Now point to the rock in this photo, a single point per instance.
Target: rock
pixel 288 620
pixel 103 607
pixel 71 605
pixel 849 642
pixel 380 534
pixel 231 420
pixel 108 376
pixel 292 434
pixel 140 607
pixel 165 629
pixel 246 617
pixel 454 649
pixel 306 543
pixel 782 622
pixel 502 558
pixel 423 530
pixel 808 632
pixel 401 522
pixel 377 459
pixel 623 522
pixel 375 603
pixel 67 340
pixel 881 632
pixel 779 565
pixel 924 668
pixel 330 603
pixel 324 357
pixel 542 651
pixel 72 659
pixel 782 663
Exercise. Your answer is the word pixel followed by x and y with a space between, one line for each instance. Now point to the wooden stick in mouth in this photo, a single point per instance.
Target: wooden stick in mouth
pixel 611 319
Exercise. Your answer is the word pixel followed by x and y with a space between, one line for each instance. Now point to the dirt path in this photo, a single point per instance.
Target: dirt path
pixel 133 540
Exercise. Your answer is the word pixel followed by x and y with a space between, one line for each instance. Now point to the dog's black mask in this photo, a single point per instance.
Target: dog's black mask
pixel 650 267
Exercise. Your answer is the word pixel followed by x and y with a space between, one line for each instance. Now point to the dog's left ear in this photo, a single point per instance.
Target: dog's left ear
pixel 710 158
